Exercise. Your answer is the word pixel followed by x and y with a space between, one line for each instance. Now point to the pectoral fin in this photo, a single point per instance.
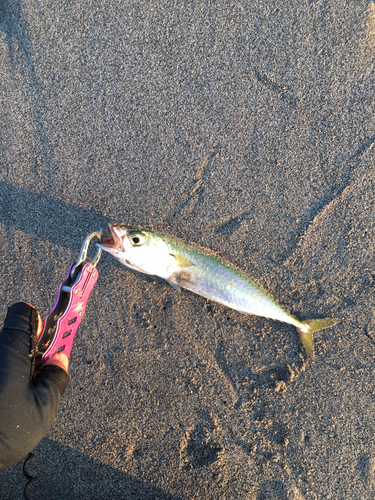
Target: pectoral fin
pixel 182 261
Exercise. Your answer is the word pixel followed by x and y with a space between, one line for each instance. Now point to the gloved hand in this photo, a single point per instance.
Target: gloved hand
pixel 28 402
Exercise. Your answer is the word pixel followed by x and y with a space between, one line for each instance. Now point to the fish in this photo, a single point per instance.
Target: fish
pixel 184 265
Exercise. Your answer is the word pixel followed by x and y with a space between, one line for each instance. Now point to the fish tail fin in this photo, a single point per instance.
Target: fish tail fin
pixel 311 326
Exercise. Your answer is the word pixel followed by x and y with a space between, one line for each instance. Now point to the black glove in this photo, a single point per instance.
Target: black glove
pixel 28 404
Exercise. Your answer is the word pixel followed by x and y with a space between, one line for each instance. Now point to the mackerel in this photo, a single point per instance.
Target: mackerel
pixel 197 270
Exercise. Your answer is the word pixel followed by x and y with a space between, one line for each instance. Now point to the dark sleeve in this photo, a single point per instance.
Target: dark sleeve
pixel 28 405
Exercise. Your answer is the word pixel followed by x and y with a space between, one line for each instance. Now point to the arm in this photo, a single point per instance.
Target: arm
pixel 28 404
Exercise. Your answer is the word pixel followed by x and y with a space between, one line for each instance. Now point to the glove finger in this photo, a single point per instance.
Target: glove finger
pixel 18 343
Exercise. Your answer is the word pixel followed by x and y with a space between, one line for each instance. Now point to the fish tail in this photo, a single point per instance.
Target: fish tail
pixel 311 326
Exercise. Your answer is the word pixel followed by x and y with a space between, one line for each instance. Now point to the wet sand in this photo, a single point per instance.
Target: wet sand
pixel 243 127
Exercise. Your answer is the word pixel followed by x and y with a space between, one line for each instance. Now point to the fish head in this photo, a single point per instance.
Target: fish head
pixel 137 249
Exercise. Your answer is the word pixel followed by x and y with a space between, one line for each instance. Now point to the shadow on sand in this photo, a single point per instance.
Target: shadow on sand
pixel 63 473
pixel 47 218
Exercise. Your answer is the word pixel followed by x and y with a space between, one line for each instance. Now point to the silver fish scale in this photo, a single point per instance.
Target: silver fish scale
pixel 211 278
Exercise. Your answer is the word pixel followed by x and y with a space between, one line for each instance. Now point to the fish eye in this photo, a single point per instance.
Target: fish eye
pixel 137 239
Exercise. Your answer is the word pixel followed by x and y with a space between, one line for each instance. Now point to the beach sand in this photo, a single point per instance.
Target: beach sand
pixel 243 127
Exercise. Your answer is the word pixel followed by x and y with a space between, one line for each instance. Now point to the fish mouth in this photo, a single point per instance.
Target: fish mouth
pixel 112 244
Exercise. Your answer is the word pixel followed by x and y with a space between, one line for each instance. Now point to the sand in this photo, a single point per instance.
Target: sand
pixel 243 127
